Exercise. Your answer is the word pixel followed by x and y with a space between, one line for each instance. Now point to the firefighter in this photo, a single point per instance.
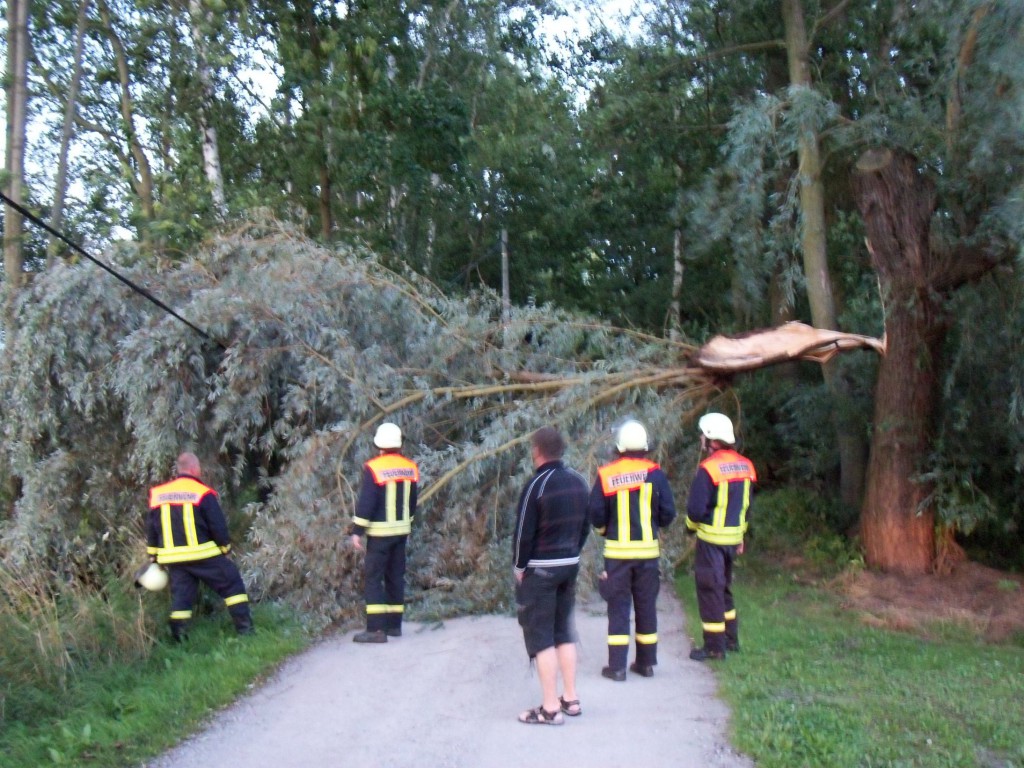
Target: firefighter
pixel 384 514
pixel 188 534
pixel 629 503
pixel 716 512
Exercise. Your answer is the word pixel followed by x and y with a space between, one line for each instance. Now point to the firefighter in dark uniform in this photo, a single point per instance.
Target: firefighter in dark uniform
pixel 384 514
pixel 717 512
pixel 629 503
pixel 187 533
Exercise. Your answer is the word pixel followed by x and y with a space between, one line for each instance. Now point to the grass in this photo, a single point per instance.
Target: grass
pixel 813 686
pixel 121 715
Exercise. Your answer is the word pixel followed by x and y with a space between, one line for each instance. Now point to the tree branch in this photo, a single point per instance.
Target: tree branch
pixel 830 16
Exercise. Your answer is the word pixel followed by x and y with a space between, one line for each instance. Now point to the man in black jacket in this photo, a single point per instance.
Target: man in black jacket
pixel 551 529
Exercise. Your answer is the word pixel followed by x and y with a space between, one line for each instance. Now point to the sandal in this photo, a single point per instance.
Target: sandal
pixel 540 716
pixel 571 708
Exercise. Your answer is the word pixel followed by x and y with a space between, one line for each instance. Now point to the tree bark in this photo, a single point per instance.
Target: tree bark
pixel 850 443
pixel 17 121
pixel 897 524
pixel 211 151
pixel 141 177
pixel 60 184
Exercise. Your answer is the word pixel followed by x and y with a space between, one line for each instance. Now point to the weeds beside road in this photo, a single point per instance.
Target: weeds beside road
pixel 814 685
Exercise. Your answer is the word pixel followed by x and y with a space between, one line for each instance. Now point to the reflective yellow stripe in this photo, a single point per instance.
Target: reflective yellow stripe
pixel 721 507
pixel 730 615
pixel 390 509
pixel 180 615
pixel 618 639
pixel 714 627
pixel 236 599
pixel 188 516
pixel 722 536
pixel 396 528
pixel 165 526
pixel 622 512
pixel 647 639
pixel 185 554
pixel 378 608
pixel 645 494
pixel 395 609
pixel 631 550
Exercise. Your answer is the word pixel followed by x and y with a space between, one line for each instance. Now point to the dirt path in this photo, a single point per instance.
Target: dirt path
pixel 446 696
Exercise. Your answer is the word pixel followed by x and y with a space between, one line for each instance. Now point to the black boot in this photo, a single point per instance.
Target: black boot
pixel 242 617
pixel 179 630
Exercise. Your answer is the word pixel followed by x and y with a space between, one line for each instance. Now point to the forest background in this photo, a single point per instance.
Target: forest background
pixel 442 217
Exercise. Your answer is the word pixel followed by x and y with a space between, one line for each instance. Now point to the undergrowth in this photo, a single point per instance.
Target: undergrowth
pixel 119 712
pixel 816 686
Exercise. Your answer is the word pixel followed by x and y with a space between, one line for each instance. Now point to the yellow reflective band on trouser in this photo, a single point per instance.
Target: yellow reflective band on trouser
pixel 380 608
pixel 618 639
pixel 647 639
pixel 181 615
pixel 730 615
pixel 395 609
pixel 714 627
pixel 236 599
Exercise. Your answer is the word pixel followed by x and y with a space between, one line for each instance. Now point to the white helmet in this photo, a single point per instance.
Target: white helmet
pixel 388 436
pixel 631 437
pixel 717 426
pixel 152 577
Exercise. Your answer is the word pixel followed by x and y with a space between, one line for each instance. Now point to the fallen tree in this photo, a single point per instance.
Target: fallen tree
pixel 314 347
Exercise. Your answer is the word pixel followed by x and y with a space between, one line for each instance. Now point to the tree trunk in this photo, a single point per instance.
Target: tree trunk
pixel 849 439
pixel 60 184
pixel 897 524
pixel 506 293
pixel 141 178
pixel 17 120
pixel 211 152
pixel 675 313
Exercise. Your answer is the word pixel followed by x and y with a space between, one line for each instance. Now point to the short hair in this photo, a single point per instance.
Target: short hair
pixel 549 442
pixel 188 464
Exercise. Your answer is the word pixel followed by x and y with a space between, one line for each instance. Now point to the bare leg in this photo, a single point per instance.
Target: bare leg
pixel 567 664
pixel 547 671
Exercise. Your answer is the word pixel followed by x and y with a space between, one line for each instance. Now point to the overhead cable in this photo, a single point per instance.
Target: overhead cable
pixel 135 287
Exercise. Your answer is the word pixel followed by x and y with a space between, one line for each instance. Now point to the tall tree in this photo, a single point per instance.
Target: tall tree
pixel 60 182
pixel 201 25
pixel 16 87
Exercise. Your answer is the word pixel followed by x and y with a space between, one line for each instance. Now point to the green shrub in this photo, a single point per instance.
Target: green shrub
pixel 797 522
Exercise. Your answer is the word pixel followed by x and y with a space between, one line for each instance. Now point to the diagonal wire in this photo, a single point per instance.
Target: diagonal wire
pixel 134 286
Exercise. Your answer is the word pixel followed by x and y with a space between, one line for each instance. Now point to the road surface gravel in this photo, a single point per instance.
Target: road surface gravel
pixel 446 695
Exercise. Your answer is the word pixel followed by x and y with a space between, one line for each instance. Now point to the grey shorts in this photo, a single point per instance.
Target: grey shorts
pixel 544 601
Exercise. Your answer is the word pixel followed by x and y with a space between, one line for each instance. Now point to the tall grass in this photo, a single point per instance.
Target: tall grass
pixel 87 678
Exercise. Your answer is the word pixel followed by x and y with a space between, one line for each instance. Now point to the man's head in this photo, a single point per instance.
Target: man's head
pixel 631 436
pixel 547 444
pixel 716 431
pixel 188 464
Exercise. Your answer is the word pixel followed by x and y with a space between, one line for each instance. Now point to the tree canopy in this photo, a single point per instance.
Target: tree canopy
pixel 715 169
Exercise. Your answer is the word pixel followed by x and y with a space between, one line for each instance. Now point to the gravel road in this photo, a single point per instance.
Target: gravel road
pixel 446 695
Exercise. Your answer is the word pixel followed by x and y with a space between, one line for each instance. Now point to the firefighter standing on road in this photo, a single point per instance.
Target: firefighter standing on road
pixel 717 512
pixel 629 503
pixel 384 514
pixel 187 532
